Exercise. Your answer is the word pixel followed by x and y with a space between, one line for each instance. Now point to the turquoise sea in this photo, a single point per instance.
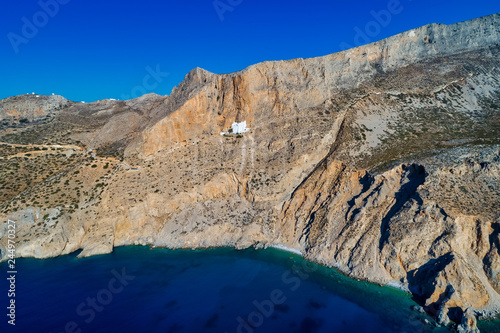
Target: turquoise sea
pixel 138 289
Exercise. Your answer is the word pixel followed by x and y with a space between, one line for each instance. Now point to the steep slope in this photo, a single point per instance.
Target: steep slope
pixel 382 161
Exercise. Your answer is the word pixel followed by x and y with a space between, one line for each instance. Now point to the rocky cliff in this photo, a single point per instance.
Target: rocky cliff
pixel 382 161
pixel 30 108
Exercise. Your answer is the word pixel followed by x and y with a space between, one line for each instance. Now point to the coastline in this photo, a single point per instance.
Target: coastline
pixel 486 318
pixel 144 264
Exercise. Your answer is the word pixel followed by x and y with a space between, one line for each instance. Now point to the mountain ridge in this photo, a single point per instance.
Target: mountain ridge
pixel 380 161
pixel 492 19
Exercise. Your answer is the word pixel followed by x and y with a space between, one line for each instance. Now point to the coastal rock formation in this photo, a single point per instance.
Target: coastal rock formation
pixel 469 323
pixel 382 161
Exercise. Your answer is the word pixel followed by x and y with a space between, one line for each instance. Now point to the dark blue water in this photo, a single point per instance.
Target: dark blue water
pixel 137 289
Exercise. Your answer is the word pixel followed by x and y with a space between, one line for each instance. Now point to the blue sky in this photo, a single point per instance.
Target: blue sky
pixel 90 50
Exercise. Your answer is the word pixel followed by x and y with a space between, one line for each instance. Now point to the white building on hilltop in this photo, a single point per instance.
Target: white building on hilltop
pixel 239 128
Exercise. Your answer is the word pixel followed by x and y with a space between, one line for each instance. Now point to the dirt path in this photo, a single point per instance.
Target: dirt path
pixel 42 146
pixel 67 147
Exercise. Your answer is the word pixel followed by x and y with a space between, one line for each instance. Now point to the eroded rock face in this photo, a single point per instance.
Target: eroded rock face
pixel 382 161
pixel 469 323
pixel 384 227
pixel 30 107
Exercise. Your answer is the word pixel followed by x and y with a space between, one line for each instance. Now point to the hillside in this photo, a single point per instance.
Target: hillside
pixel 382 161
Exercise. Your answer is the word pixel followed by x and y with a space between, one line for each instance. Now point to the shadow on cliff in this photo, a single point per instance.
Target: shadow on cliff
pixel 488 260
pixel 421 280
pixel 415 175
pixel 366 182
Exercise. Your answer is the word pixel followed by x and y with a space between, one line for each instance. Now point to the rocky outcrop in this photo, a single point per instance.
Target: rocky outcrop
pixel 386 227
pixel 30 107
pixel 382 161
pixel 469 323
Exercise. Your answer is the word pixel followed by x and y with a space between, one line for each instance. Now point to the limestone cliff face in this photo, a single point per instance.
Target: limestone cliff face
pixel 276 89
pixel 382 161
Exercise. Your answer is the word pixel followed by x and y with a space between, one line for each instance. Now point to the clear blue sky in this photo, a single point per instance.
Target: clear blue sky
pixel 96 49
